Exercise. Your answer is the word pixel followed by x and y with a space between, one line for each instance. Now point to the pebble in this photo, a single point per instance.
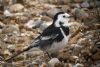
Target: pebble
pixel 52 12
pixel 7 54
pixel 78 1
pixel 10 29
pixel 46 18
pixel 16 7
pixel 63 1
pixel 34 53
pixel 44 65
pixel 85 5
pixel 1 26
pixel 81 14
pixel 76 5
pixel 7 13
pixel 65 8
pixel 11 47
pixel 37 24
pixel 96 56
pixel 78 65
pixel 96 2
pixel 30 24
pixel 48 6
pixel 53 61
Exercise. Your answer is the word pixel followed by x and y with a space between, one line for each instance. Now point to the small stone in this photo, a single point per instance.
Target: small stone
pixel 49 6
pixel 73 40
pixel 11 39
pixel 65 8
pixel 10 29
pixel 75 26
pixel 20 57
pixel 63 1
pixel 16 7
pixel 96 56
pixel 30 24
pixel 67 1
pixel 7 13
pixel 78 65
pixel 98 65
pixel 64 55
pixel 53 61
pixel 75 5
pixel 19 47
pixel 11 48
pixel 18 64
pixel 44 65
pixel 36 24
pixel 7 54
pixel 31 2
pixel 78 1
pixel 10 33
pixel 0 31
pixel 74 58
pixel 59 65
pixel 97 3
pixel 34 53
pixel 34 64
pixel 53 1
pixel 46 18
pixel 85 5
pixel 44 26
pixel 68 65
pixel 53 11
pixel 5 64
pixel 81 14
pixel 1 25
pixel 42 1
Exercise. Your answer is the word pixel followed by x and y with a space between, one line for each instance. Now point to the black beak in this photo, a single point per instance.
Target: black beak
pixel 70 16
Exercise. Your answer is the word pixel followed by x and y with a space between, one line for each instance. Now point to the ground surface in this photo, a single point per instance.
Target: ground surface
pixel 22 22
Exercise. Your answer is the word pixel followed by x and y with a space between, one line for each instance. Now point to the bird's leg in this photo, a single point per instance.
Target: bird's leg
pixel 48 54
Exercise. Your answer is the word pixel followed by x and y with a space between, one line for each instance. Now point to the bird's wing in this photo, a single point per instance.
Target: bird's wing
pixel 47 38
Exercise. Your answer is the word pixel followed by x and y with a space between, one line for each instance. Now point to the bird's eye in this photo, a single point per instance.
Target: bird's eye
pixel 64 16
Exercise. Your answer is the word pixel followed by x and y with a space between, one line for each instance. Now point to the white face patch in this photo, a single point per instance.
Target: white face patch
pixel 64 18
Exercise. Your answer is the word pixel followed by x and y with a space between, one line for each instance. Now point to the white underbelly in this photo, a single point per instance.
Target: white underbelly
pixel 56 46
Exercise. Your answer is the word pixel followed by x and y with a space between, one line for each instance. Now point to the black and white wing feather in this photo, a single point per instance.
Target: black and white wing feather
pixel 45 40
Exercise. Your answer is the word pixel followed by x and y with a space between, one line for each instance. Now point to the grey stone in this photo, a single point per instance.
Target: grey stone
pixel 85 5
pixel 53 11
pixel 16 7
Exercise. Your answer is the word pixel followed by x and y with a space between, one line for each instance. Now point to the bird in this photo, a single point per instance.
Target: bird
pixel 54 37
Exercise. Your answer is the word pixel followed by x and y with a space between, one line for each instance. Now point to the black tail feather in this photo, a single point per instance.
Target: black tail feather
pixel 15 55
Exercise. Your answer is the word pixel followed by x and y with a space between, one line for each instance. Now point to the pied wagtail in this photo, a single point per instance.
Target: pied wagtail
pixel 54 37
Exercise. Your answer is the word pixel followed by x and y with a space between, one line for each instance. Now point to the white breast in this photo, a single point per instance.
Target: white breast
pixel 59 45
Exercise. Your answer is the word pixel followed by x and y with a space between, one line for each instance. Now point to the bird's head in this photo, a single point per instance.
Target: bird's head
pixel 61 19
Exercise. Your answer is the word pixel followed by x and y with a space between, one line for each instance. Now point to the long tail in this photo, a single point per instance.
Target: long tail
pixel 11 58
